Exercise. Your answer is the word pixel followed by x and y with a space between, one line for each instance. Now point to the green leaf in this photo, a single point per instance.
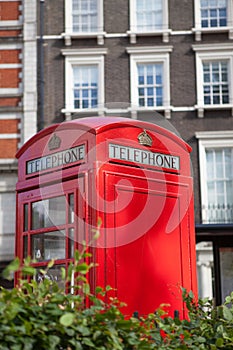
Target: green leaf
pixel 67 319
pixel 11 268
pixel 99 222
pixel 86 289
pixel 50 264
pixel 29 270
pixel 88 342
pixel 227 314
pixel 84 331
pixel 191 295
pixel 53 341
pixel 82 268
pixel 219 342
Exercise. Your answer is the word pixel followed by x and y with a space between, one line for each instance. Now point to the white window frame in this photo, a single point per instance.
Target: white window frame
pixel 133 33
pixel 69 34
pixel 198 30
pixel 83 57
pixel 206 140
pixel 150 55
pixel 211 52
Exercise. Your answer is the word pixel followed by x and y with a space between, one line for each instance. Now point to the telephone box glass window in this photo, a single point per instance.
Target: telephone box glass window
pixel 48 245
pixel 213 13
pixel 53 274
pixel 49 212
pixel 150 85
pixel 219 170
pixel 85 86
pixel 149 15
pixel 84 13
pixel 215 83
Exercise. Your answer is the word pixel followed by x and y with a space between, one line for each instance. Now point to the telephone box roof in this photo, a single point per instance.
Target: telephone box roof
pixel 97 125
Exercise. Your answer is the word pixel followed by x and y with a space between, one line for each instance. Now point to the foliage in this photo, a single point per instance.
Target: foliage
pixel 43 316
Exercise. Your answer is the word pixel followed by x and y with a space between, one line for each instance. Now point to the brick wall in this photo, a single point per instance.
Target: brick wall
pixel 10 10
pixel 10 77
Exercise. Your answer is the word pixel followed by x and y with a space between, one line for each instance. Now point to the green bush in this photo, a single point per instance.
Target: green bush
pixel 44 316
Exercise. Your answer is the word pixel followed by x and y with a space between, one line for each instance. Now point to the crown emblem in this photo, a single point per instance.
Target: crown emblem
pixel 145 139
pixel 54 142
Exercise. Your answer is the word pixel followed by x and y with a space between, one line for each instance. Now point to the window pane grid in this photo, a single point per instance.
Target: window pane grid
pixel 84 14
pixel 150 85
pixel 213 13
pixel 219 168
pixel 85 87
pixel 215 83
pixel 149 15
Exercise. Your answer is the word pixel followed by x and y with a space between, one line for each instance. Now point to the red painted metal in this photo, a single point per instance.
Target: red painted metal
pixel 142 193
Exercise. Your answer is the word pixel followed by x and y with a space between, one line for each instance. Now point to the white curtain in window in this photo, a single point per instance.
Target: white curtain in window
pixel 149 15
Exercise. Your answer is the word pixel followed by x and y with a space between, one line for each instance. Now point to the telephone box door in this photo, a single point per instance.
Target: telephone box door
pixel 148 258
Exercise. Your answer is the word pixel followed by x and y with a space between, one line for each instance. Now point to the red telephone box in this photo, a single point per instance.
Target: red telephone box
pixel 133 175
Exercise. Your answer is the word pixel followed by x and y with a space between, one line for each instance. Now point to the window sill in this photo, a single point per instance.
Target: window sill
pixel 163 32
pixel 81 112
pixel 69 36
pixel 199 31
pixel 133 111
pixel 202 108
pixel 8 164
pixel 166 109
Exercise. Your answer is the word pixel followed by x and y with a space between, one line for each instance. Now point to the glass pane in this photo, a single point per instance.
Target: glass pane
pixel 150 91
pixel 205 269
pixel 71 244
pixel 71 208
pixel 49 245
pixel 225 99
pixel 25 217
pixel 206 100
pixel 49 212
pixel 216 100
pixel 141 102
pixel 211 193
pixel 141 92
pixel 159 101
pixel 150 102
pixel 149 79
pixel 53 274
pixel 25 247
pixel 226 271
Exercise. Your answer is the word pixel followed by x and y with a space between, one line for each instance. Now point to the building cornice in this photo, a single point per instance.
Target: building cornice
pixel 149 49
pixel 84 52
pixel 224 134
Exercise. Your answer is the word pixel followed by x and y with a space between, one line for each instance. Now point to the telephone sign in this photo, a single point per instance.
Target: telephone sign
pixel 135 177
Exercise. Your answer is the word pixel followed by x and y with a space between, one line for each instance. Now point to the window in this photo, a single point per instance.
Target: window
pixel 83 18
pixel 213 15
pixel 149 68
pixel 85 86
pixel 148 16
pixel 150 84
pixel 214 67
pixel 84 80
pixel 216 172
pixel 215 82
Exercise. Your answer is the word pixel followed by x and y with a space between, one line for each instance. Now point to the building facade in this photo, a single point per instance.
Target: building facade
pixel 166 62
pixel 18 106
